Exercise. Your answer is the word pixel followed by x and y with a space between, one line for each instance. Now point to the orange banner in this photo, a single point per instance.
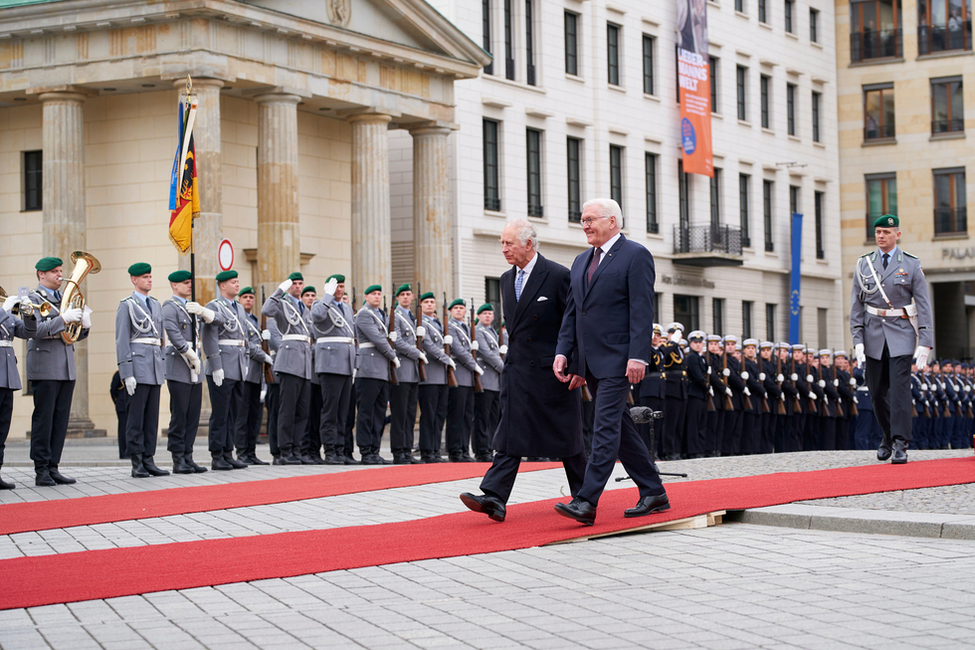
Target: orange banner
pixel 694 81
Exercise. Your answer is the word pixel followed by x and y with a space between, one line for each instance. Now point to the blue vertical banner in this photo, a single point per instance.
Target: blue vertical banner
pixel 796 278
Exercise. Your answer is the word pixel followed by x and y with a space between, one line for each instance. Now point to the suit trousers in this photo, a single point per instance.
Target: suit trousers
pixel 460 420
pixel 433 414
pixel 336 392
pixel 49 423
pixel 615 436
pixel 142 421
pixel 695 419
pixel 767 443
pixel 889 380
pixel 500 477
pixel 272 401
pixel 247 420
pixel 222 399
pixel 373 395
pixel 402 406
pixel 827 434
pixel 485 421
pixel 6 414
pixel 292 413
pixel 311 444
pixel 672 441
pixel 185 401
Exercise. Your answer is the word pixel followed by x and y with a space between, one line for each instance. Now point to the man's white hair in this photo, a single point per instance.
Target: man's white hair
pixel 524 231
pixel 607 208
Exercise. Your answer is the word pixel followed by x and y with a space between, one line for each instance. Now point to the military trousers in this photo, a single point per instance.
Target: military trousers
pixel 460 420
pixel 222 399
pixel 142 421
pixel 49 423
pixel 433 415
pixel 889 379
pixel 295 396
pixel 695 419
pixel 247 418
pixel 336 393
pixel 6 414
pixel 272 401
pixel 311 442
pixel 373 395
pixel 486 416
pixel 402 408
pixel 185 401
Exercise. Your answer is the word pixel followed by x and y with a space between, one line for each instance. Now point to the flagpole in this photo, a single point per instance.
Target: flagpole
pixel 189 93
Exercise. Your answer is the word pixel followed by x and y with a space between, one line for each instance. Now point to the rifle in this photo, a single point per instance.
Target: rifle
pixel 796 404
pixel 353 299
pixel 478 387
pixel 268 373
pixel 819 377
pixel 390 328
pixel 451 379
pixel 839 402
pixel 728 405
pixel 710 400
pixel 780 409
pixel 812 401
pixel 421 368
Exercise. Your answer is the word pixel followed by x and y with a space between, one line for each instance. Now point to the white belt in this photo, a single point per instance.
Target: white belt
pixel 235 342
pixel 296 337
pixel 909 311
pixel 6 344
pixel 863 388
pixel 148 341
pixel 334 339
pixel 366 345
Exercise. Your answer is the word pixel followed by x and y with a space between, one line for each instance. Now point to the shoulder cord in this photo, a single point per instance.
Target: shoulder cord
pixel 294 316
pixel 139 321
pixel 233 326
pixel 406 322
pixel 379 320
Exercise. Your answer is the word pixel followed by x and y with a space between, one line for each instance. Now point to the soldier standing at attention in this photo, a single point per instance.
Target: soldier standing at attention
pixel 890 314
pixel 460 398
pixel 486 412
pixel 311 442
pixel 432 391
pixel 372 376
pixel 10 326
pixel 247 425
pixel 403 395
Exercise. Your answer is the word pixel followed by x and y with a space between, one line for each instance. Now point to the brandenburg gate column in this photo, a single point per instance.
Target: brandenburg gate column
pixel 371 239
pixel 431 209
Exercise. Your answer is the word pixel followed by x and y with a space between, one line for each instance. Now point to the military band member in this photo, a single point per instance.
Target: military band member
pixel 460 398
pixel 486 410
pixel 675 391
pixel 651 392
pixel 292 365
pixel 432 391
pixel 335 355
pixel 248 409
pixel 372 376
pixel 403 394
pixel 184 374
pixel 51 371
pixel 698 391
pixel 10 326
pixel 311 442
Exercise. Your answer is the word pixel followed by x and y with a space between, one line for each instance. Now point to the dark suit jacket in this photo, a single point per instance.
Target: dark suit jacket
pixel 539 415
pixel 609 320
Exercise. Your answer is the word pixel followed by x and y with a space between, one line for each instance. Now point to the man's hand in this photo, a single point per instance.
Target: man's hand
pixel 423 357
pixel 503 349
pixel 761 376
pixel 478 369
pixel 451 363
pixel 726 372
pixel 130 385
pixel 193 358
pixel 558 367
pixel 420 331
pixel 475 346
pixel 809 379
pixel 635 371
pixel 218 377
pixel 676 336
pixel 448 339
pixel 575 381
pixel 10 303
pixel 267 359
pixel 793 377
pixel 779 378
pixel 822 383
pixel 861 356
pixel 812 395
pixel 86 319
pixel 72 315
pixel 266 335
pixel 284 286
pixel 263 394
pixel 396 362
pixel 331 286
pixel 922 357
pixel 201 311
pixel 744 375
pixel 393 336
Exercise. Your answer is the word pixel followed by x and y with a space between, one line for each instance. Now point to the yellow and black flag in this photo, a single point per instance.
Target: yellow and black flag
pixel 184 196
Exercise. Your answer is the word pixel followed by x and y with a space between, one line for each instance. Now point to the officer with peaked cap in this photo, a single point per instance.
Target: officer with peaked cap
pixel 675 391
pixel 698 392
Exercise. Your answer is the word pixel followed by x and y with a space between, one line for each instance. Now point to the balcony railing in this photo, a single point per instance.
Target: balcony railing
pixel 878 44
pixel 947 126
pixel 492 203
pixel 874 131
pixel 949 221
pixel 709 238
pixel 957 35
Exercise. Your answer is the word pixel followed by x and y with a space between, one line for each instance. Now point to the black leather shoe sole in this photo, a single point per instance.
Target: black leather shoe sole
pixel 643 511
pixel 564 510
pixel 494 511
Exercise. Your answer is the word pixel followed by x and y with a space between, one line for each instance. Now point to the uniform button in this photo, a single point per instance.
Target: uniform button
pixel 535 317
pixel 583 313
pixel 531 363
pixel 528 340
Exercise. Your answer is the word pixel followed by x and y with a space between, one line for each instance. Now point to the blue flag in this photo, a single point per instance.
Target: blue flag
pixel 796 278
pixel 174 180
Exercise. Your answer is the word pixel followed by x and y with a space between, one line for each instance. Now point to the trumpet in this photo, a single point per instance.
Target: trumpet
pixel 72 298
pixel 26 307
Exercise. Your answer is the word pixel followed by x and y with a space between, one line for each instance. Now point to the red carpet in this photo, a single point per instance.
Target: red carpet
pixel 86 511
pixel 28 582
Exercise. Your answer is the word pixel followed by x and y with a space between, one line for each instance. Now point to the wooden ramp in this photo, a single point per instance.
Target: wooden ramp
pixel 697 521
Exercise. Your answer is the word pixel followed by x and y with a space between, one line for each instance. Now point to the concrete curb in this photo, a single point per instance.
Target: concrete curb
pixel 848 520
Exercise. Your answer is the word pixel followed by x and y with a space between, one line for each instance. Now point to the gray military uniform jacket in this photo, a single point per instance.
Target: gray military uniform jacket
pixel 902 281
pixel 139 341
pixel 489 356
pixel 436 357
pixel 375 352
pixel 294 355
pixel 225 340
pixel 179 331
pixel 48 356
pixel 405 346
pixel 11 326
pixel 273 343
pixel 255 364
pixel 460 352
pixel 334 336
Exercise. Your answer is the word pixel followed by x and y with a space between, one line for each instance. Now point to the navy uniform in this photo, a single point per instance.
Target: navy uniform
pixel 372 379
pixel 248 410
pixel 773 392
pixel 921 410
pixel 120 398
pixel 715 419
pixel 486 409
pixel 831 401
pixel 698 393
pixel 675 394
pixel 460 398
pixel 733 418
pixel 10 327
pixel 403 395
pixel 433 390
pixel 751 374
pixel 868 433
pixel 845 386
pixel 651 393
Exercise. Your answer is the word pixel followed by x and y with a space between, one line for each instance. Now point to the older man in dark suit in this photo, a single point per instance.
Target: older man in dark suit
pixel 604 342
pixel 540 416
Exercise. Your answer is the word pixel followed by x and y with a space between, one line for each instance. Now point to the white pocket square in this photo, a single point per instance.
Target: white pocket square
pixel 541 299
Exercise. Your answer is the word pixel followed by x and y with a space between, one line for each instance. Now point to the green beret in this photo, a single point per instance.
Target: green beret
pixel 404 287
pixel 459 301
pixel 371 288
pixel 485 307
pixel 223 276
pixel 246 291
pixel 338 277
pixel 139 268
pixel 296 276
pixel 308 289
pixel 428 296
pixel 48 263
pixel 180 276
pixel 887 221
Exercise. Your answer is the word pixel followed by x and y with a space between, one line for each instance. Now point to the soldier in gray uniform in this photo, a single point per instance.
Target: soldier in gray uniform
pixel 311 441
pixel 51 371
pixel 247 411
pixel 184 373
pixel 460 398
pixel 272 399
pixel 10 326
pixel 432 391
pixel 335 352
pixel 890 313
pixel 141 365
pixel 486 409
pixel 292 365
pixel 372 376
pixel 403 395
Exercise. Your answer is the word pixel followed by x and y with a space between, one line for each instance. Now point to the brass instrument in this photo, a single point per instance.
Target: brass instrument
pixel 72 298
pixel 26 307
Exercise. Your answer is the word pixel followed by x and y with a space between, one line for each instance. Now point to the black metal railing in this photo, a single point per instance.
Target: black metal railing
pixel 948 221
pixel 873 131
pixel 876 44
pixel 535 210
pixel 530 74
pixel 956 35
pixel 707 239
pixel 491 203
pixel 575 216
pixel 948 126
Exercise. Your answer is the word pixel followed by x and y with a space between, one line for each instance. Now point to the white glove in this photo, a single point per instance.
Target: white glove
pixel 267 359
pixel 10 303
pixel 860 355
pixel 855 400
pixel 761 376
pixel 676 336
pixel 793 377
pixel 396 362
pixel 393 336
pixel 744 375
pixel 284 286
pixel 420 331
pixel 448 340
pixel 196 308
pixel 853 382
pixel 709 370
pixel 711 391
pixel 728 390
pixel 86 319
pixel 194 360
pixel 922 353
pixel 809 379
pixel 968 388
pixel 779 378
pixel 423 358
pixel 218 377
pixel 822 383
pixel 747 392
pixel 726 372
pixel 330 286
pixel 72 315
pixel 924 386
pixel 130 385
pixel 263 394
pixel 475 346
pixel 836 383
pixel 266 335
pixel 478 369
pixel 943 385
pixel 812 396
pixel 451 363
pixel 503 349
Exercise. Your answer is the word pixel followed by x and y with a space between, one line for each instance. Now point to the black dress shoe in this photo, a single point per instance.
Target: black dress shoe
pixel 252 459
pixel 6 486
pixel 883 451
pixel 233 462
pixel 150 466
pixel 400 459
pixel 483 503
pixel 288 459
pixel 138 468
pixel 277 460
pixel 900 453
pixel 349 459
pixel 199 469
pixel 316 459
pixel 374 459
pixel 43 478
pixel 60 478
pixel 333 459
pixel 578 509
pixel 431 458
pixel 484 459
pixel 305 460
pixel 220 464
pixel 648 506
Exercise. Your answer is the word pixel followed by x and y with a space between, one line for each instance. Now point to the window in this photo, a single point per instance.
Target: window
pixel 947 105
pixel 687 311
pixel 944 26
pixel 741 80
pixel 819 200
pixel 653 226
pixel 790 108
pixel 492 190
pixel 767 187
pixel 713 80
pixel 769 322
pixel 794 191
pixel 530 42
pixel 717 315
pixel 33 187
pixel 573 151
pixel 509 45
pixel 881 198
pixel 875 29
pixel 949 201
pixel 684 196
pixel 571 43
pixel 823 327
pixel 616 174
pixel 492 294
pixel 763 11
pixel 746 318
pixel 740 5
pixel 744 180
pixel 790 5
pixel 766 82
pixel 878 111
pixel 816 99
pixel 648 64
pixel 486 33
pixel 813 25
pixel 716 199
pixel 613 53
pixel 534 149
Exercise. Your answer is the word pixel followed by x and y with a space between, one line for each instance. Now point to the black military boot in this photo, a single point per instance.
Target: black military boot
pixel 150 466
pixel 180 466
pixel 138 467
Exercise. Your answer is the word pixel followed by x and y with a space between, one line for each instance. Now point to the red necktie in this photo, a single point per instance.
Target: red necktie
pixel 593 264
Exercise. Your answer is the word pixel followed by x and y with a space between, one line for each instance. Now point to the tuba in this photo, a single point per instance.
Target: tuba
pixel 27 307
pixel 72 298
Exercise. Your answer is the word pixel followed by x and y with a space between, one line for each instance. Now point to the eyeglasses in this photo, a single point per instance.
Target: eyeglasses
pixel 588 222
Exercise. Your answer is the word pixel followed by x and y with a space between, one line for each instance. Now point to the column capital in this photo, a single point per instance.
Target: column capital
pixel 198 82
pixel 432 128
pixel 369 117
pixel 62 93
pixel 277 98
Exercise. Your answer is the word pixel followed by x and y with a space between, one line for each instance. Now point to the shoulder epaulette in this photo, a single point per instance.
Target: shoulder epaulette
pixel 865 254
pixel 913 257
